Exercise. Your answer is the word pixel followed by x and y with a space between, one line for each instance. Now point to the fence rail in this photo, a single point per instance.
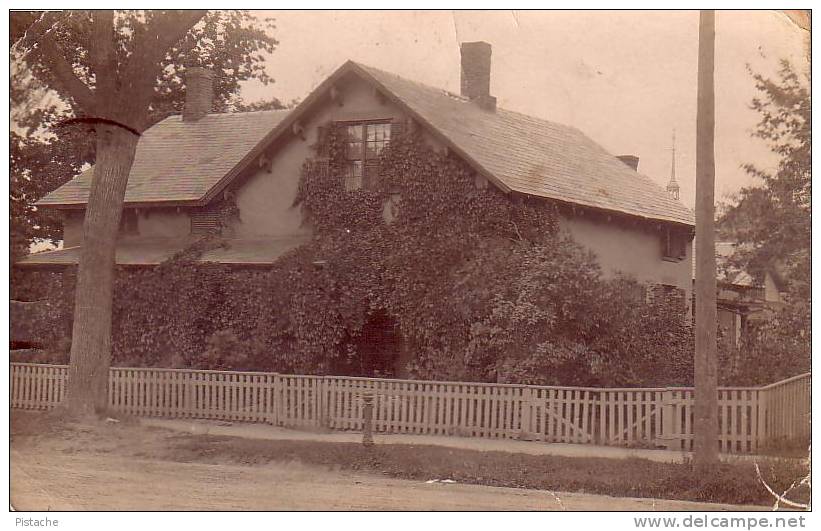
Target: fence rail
pixel 749 417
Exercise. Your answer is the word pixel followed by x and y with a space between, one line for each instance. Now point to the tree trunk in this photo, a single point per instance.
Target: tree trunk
pixel 91 334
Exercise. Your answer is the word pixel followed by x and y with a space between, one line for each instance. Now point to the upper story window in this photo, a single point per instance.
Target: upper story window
pixel 673 245
pixel 364 141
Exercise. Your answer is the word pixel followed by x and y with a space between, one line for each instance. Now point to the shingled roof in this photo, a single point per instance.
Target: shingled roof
pixel 535 156
pixel 179 162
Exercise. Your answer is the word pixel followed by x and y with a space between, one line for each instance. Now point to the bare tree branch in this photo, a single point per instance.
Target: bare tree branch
pixel 25 39
pixel 41 44
pixel 162 33
pixel 102 51
pixel 141 70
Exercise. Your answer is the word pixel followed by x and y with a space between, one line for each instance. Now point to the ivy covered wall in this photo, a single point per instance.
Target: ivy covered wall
pixel 463 283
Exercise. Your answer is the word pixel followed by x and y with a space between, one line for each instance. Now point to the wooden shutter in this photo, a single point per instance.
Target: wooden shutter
pixel 322 138
pixel 322 167
pixel 205 221
pixel 370 173
pixel 397 129
pixel 674 244
pixel 682 246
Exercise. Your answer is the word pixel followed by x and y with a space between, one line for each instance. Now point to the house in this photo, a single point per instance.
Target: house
pixel 185 165
pixel 741 299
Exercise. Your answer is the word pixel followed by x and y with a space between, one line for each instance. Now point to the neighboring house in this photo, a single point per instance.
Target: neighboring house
pixel 186 165
pixel 741 299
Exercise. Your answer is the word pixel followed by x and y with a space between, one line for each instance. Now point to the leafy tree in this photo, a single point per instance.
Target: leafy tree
pixel 772 224
pixel 771 221
pixel 115 71
pixel 38 165
pixel 44 155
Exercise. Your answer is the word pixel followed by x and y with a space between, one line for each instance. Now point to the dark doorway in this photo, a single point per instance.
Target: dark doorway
pixel 375 351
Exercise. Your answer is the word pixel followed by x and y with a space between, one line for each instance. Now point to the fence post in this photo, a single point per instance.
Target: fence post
pixel 323 403
pixel 761 436
pixel 274 399
pixel 525 431
pixel 667 435
pixel 367 421
pixel 188 385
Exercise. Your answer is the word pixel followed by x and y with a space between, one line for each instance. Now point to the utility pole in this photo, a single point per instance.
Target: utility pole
pixel 706 366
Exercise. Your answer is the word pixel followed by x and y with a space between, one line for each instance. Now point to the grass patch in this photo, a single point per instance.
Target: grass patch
pixel 733 483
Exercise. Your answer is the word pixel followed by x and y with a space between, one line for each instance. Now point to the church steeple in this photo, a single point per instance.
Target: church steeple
pixel 672 186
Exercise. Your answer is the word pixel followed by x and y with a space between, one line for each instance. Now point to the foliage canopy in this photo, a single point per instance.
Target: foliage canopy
pixel 771 222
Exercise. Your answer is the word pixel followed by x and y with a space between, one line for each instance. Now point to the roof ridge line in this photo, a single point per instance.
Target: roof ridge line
pixel 272 111
pixel 465 99
pixel 431 87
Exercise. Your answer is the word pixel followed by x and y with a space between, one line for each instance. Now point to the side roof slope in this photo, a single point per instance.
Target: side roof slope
pixel 535 156
pixel 180 161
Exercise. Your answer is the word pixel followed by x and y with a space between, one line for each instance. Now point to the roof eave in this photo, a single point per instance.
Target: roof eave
pixel 609 211
pixel 171 203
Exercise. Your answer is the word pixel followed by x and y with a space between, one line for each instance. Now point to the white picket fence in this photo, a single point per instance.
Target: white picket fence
pixel 749 417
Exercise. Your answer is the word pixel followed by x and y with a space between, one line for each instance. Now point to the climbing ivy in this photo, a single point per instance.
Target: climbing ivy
pixel 479 285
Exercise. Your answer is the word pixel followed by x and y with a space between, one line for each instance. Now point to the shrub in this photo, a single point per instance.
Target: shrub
pixel 777 347
pixel 224 351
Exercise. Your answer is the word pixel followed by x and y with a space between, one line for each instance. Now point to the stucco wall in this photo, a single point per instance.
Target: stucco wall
pixel 163 223
pixel 265 200
pixel 151 223
pixel 630 250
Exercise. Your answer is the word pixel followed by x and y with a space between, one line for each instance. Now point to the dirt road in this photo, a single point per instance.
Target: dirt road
pixel 111 482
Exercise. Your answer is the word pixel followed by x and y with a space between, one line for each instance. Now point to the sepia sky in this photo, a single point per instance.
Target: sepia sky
pixel 624 78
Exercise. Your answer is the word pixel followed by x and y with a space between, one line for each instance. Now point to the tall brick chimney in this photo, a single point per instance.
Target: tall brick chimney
pixel 476 74
pixel 630 160
pixel 199 93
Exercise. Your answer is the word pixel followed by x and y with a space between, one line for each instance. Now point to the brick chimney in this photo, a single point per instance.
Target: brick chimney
pixel 199 93
pixel 630 160
pixel 476 74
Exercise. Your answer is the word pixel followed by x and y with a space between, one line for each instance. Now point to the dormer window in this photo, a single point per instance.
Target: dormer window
pixel 673 245
pixel 364 141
